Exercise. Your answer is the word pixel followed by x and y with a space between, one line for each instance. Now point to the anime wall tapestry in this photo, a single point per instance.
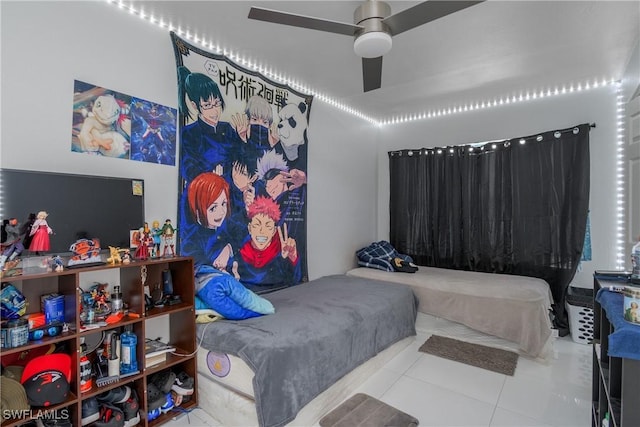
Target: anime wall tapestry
pixel 243 170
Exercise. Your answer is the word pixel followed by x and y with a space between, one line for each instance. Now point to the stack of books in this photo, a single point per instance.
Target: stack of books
pixel 155 352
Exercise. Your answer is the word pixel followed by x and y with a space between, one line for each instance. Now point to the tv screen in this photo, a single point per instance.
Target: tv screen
pixel 79 206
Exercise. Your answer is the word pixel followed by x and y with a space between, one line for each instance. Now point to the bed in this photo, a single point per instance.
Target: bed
pixel 515 308
pixel 325 333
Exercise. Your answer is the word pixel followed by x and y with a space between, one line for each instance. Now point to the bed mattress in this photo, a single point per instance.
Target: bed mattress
pixel 229 398
pixel 515 308
pixel 226 369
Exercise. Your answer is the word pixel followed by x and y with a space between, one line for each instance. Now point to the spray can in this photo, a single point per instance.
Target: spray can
pixel 86 379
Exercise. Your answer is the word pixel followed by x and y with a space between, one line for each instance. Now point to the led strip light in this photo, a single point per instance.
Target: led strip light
pixel 434 113
pixel 499 102
pixel 620 179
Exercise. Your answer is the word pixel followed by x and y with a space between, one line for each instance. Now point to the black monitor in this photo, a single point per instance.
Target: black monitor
pixel 79 206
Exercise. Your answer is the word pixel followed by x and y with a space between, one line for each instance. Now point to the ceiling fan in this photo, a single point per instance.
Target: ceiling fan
pixel 373 27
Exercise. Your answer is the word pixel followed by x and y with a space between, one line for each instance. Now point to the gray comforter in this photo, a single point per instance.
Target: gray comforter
pixel 321 330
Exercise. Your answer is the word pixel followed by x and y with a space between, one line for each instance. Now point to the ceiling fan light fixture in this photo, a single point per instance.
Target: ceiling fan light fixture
pixel 372 44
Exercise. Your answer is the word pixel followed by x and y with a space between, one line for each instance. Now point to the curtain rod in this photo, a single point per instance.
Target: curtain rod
pixel 480 145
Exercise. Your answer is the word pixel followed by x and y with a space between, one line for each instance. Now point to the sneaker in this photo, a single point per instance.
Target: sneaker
pixel 155 398
pixel 115 395
pixel 153 414
pixel 90 411
pixel 131 410
pixel 168 404
pixel 183 384
pixel 110 416
pixel 164 380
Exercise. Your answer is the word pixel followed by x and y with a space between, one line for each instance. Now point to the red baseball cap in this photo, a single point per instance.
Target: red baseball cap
pixel 46 379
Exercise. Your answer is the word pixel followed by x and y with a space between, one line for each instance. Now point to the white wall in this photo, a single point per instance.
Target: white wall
pixel 595 106
pixel 47 45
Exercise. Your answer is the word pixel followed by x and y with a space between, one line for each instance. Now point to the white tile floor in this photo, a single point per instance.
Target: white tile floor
pixel 439 392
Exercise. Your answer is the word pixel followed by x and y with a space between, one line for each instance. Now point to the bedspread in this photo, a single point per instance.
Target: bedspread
pixel 321 330
pixel 515 308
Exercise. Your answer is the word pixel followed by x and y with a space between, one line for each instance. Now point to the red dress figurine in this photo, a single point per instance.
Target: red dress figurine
pixel 142 251
pixel 40 231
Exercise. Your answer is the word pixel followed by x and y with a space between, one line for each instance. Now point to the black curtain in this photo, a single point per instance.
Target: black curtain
pixel 514 207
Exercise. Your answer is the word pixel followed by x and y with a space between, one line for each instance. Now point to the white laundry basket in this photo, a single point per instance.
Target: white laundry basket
pixel 579 304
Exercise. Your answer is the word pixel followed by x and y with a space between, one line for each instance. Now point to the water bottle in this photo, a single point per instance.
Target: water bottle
pixel 635 262
pixel 128 343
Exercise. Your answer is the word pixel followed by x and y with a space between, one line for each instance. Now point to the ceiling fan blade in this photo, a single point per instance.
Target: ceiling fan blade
pixel 372 73
pixel 302 21
pixel 424 12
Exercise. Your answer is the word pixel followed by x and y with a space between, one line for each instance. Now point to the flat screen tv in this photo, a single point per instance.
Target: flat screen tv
pixel 79 206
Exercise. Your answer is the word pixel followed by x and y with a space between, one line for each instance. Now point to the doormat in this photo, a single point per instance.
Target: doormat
pixel 364 410
pixel 481 356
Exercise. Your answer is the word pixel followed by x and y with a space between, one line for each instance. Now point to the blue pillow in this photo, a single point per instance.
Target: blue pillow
pixel 227 296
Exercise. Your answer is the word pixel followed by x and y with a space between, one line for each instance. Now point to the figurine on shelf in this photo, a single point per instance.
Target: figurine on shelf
pixel 142 251
pixel 40 231
pixel 156 234
pixel 54 263
pixel 12 245
pixel 100 296
pixel 114 255
pixel 168 237
pixel 126 256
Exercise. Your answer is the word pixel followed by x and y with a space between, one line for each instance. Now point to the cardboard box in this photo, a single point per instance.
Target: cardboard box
pixel 52 305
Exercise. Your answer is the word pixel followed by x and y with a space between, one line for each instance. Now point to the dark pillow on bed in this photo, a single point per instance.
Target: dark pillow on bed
pixel 379 255
pixel 227 296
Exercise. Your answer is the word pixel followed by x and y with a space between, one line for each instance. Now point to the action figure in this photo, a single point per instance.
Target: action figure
pixel 142 251
pixel 156 234
pixel 54 263
pixel 126 257
pixel 168 237
pixel 13 246
pixel 100 297
pixel 40 231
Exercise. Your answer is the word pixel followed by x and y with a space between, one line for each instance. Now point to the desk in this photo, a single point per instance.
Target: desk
pixel 616 360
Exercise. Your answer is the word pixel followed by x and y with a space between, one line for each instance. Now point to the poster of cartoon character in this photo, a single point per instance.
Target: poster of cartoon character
pixel 101 121
pixel 113 124
pixel 153 132
pixel 242 170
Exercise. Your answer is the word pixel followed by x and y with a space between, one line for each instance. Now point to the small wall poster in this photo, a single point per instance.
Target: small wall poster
pixel 112 124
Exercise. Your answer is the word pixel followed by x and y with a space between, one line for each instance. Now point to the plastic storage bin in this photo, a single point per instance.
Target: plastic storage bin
pixel 579 303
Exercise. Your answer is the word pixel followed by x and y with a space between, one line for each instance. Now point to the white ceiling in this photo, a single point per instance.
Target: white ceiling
pixel 487 51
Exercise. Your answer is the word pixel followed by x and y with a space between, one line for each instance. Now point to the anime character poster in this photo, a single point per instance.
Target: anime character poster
pixel 112 124
pixel 101 121
pixel 153 132
pixel 243 170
